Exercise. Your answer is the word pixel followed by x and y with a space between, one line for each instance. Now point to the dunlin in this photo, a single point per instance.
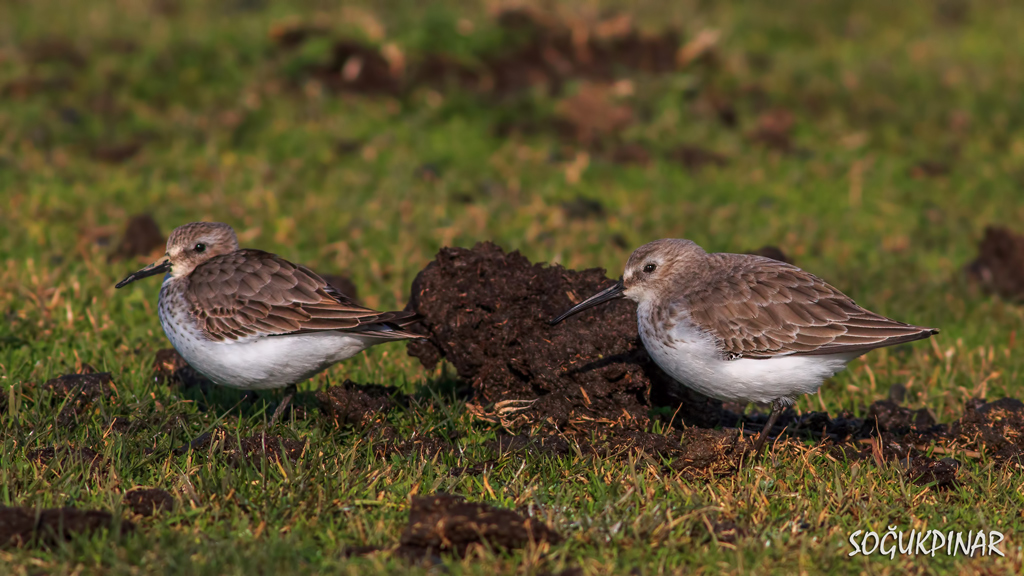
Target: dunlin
pixel 252 320
pixel 744 328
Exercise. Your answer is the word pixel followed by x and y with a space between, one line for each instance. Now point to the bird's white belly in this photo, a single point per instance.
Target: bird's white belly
pixel 256 363
pixel 692 358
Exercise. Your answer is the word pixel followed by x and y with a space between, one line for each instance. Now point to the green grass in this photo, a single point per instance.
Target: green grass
pixel 876 87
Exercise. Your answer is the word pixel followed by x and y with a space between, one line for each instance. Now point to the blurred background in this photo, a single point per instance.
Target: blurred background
pixel 869 142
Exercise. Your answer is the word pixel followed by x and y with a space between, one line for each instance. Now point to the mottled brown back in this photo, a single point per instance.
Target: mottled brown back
pixel 251 292
pixel 756 307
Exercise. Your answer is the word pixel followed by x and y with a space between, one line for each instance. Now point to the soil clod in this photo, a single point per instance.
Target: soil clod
pixel 65 456
pixel 24 526
pixel 940 473
pixel 77 392
pixel 695 158
pixel 170 368
pixel 446 524
pixel 141 237
pixel 148 501
pixel 773 252
pixel 992 427
pixel 342 284
pixel 238 450
pixel 358 404
pixel 999 267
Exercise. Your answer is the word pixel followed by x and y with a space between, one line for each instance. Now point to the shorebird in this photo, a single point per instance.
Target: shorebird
pixel 744 328
pixel 251 320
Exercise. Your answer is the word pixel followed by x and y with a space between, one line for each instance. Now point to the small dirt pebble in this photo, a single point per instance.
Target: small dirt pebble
pixel 999 267
pixel 142 237
pixel 447 524
pixel 358 404
pixel 66 455
pixel 25 526
pixel 77 392
pixel 170 368
pixel 148 501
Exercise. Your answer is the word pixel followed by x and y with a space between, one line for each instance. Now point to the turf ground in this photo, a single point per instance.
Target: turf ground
pixel 872 141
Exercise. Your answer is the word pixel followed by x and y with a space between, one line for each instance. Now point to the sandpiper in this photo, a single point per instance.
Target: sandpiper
pixel 744 328
pixel 252 320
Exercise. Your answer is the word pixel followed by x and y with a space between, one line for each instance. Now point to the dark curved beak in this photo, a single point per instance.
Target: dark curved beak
pixel 161 267
pixel 614 292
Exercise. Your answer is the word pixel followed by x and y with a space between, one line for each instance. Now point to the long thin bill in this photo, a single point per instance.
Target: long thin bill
pixel 613 292
pixel 151 270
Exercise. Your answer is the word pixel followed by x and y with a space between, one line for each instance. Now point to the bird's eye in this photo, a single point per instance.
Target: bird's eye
pixel 650 268
pixel 200 248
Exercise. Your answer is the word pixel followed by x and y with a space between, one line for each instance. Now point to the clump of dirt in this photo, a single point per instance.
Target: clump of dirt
pixel 141 237
pixel 941 473
pixel 695 450
pixel 447 524
pixel 929 169
pixel 66 455
pixel 888 416
pixel 170 368
pixel 774 130
pixel 387 441
pixel 773 252
pixel 77 392
pixel 996 428
pixel 999 267
pixel 582 208
pixel 695 158
pixel 358 404
pixel 342 284
pixel 548 52
pixel 116 153
pixel 728 531
pixel 630 153
pixel 25 526
pixel 487 313
pixel 593 114
pixel 148 501
pixel 238 450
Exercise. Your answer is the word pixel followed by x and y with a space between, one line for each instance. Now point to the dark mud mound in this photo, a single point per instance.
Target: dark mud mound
pixel 940 473
pixel 249 448
pixel 170 368
pixel 773 252
pixel 487 313
pixel 358 404
pixel 142 237
pixel 999 267
pixel 995 428
pixel 22 526
pixel 445 524
pixel 64 456
pixel 148 501
pixel 77 392
pixel 545 51
pixel 343 284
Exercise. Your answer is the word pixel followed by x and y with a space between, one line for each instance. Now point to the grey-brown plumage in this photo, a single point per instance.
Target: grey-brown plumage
pixel 739 327
pixel 757 307
pixel 251 293
pixel 249 319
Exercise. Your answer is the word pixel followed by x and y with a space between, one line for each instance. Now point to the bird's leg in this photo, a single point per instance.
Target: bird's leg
pixel 289 392
pixel 776 410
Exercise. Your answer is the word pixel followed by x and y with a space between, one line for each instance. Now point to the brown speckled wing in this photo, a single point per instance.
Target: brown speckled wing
pixel 255 293
pixel 759 308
